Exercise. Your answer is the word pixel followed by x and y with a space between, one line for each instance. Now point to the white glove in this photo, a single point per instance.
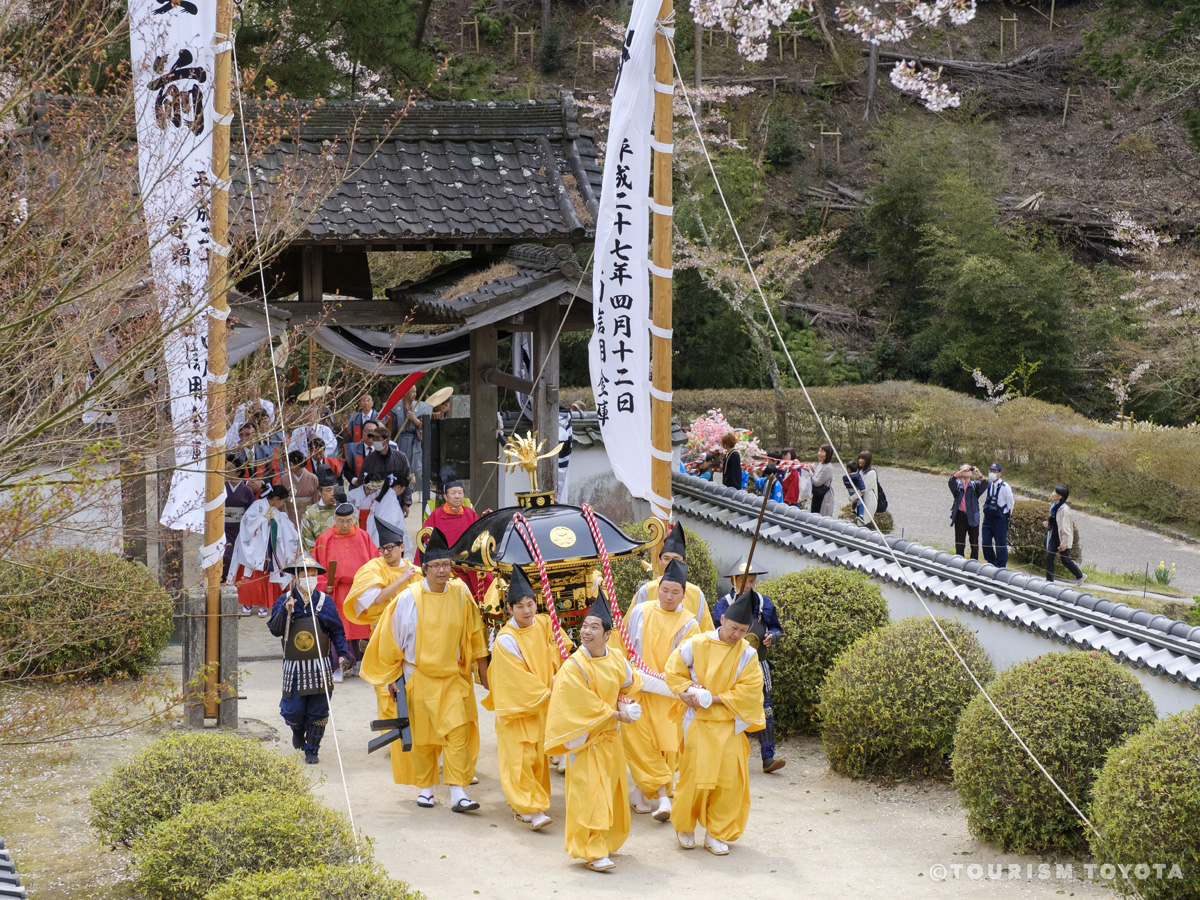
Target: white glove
pixel 632 710
pixel 701 696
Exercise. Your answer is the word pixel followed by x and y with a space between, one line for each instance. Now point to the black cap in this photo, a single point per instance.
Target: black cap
pixel 446 476
pixel 675 571
pixel 601 610
pixel 339 497
pixel 675 542
pixel 344 509
pixel 742 609
pixel 518 586
pixel 325 477
pixel 436 547
pixel 453 483
pixel 388 533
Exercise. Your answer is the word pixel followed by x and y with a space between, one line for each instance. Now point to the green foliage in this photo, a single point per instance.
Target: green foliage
pixel 883 519
pixel 206 844
pixel 1191 121
pixel 490 29
pixel 1070 709
pixel 183 768
pixel 361 882
pixel 783 144
pixel 550 53
pixel 80 613
pixel 814 358
pixel 891 702
pixel 629 572
pixel 1147 807
pixel 1027 535
pixel 823 611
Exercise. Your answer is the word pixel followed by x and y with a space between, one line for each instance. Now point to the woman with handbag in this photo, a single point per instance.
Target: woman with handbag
pixel 822 481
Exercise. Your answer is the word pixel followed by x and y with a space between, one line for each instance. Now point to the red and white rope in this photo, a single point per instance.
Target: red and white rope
pixel 535 552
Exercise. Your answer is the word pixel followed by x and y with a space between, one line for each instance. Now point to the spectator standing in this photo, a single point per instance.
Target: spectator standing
pixel 791 479
pixel 822 481
pixel 997 508
pixel 966 485
pixel 870 488
pixel 411 433
pixel 857 489
pixel 1060 533
pixel 731 474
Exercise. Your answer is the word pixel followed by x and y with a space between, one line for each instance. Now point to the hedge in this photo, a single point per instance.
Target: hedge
pixel 360 882
pixel 182 768
pixel 1039 444
pixel 80 613
pixel 187 856
pixel 890 704
pixel 1070 709
pixel 629 572
pixel 1147 808
pixel 822 611
pixel 1027 536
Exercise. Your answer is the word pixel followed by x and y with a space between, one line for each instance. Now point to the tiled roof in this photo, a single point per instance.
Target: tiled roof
pixel 1166 647
pixel 434 174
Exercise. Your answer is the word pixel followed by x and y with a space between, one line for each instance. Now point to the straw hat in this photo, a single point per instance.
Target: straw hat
pixel 316 393
pixel 440 396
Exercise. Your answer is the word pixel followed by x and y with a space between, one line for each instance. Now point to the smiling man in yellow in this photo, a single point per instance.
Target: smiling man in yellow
pixel 584 723
pixel 674 548
pixel 656 628
pixel 524 660
pixel 433 634
pixel 718 678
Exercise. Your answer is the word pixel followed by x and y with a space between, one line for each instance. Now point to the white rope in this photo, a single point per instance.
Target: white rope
pixel 262 277
pixel 659 332
pixel 664 396
pixel 888 548
pixel 659 270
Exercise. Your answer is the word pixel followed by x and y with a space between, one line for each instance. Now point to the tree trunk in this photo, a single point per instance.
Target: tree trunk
pixel 422 20
pixel 698 43
pixel 872 73
pixel 545 18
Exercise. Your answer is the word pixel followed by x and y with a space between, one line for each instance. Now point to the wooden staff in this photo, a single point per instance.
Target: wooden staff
pixel 758 525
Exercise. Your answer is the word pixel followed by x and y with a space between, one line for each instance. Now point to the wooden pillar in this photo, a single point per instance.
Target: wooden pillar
pixel 545 392
pixel 133 508
pixel 485 403
pixel 312 275
pixel 660 341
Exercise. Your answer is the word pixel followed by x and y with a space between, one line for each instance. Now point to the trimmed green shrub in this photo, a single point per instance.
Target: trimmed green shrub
pixel 208 843
pixel 1027 535
pixel 71 612
pixel 1070 709
pixel 1147 807
pixel 629 572
pixel 891 702
pixel 884 519
pixel 823 611
pixel 182 768
pixel 324 882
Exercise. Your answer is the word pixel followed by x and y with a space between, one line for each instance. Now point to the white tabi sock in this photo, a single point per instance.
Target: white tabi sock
pixel 456 794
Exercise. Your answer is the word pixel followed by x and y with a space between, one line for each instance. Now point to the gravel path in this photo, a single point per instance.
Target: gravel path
pixel 920 505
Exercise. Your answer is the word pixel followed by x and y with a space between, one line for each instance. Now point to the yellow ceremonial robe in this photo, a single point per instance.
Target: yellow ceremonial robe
pixel 652 742
pixel 442 636
pixel 580 724
pixel 691 602
pixel 376 573
pixel 714 778
pixel 520 697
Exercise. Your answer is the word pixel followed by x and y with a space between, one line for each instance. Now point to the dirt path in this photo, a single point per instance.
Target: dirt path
pixel 811 833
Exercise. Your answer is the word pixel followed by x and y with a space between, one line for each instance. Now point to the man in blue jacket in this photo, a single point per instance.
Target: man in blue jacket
pixel 997 509
pixel 967 486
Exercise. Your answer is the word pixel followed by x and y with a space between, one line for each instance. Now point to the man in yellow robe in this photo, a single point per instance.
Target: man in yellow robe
pixel 674 548
pixel 432 634
pixel 525 657
pixel 656 628
pixel 584 723
pixel 376 584
pixel 718 678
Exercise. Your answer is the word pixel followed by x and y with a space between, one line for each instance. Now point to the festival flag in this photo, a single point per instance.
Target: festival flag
pixel 173 56
pixel 619 351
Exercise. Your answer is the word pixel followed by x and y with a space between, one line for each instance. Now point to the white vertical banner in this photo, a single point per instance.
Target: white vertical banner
pixel 172 54
pixel 619 351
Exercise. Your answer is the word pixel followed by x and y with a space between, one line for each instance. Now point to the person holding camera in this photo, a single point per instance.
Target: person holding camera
pixel 967 485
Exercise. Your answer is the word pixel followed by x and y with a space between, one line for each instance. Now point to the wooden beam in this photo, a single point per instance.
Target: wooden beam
pixel 496 378
pixel 545 393
pixel 485 403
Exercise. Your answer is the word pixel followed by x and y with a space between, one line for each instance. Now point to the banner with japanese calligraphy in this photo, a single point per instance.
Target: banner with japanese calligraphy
pixel 172 54
pixel 619 351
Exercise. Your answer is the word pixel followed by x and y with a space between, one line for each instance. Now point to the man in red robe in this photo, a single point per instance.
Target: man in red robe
pixel 452 518
pixel 350 547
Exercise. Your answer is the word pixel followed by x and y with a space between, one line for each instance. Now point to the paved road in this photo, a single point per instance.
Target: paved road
pixel 920 505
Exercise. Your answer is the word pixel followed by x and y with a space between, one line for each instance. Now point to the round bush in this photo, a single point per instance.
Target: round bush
pixel 823 611
pixel 1070 709
pixel 890 703
pixel 182 768
pixel 883 519
pixel 1147 807
pixel 629 572
pixel 80 613
pixel 208 843
pixel 325 882
pixel 1027 537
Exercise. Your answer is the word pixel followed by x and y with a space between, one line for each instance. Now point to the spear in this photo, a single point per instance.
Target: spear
pixel 770 482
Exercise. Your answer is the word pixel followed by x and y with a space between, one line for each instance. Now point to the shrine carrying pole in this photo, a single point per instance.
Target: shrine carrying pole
pixel 218 367
pixel 660 328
